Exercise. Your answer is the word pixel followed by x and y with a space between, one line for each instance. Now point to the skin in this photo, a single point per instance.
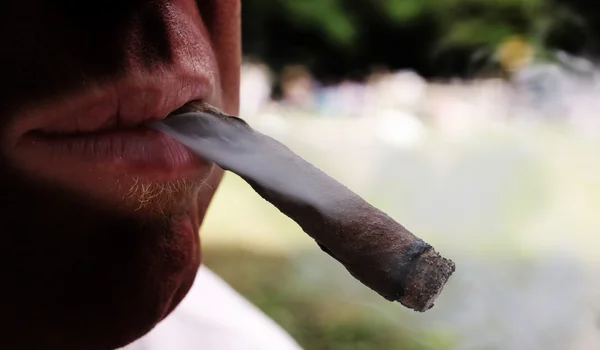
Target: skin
pixel 93 256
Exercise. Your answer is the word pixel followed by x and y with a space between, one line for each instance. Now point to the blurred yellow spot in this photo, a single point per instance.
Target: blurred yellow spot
pixel 514 53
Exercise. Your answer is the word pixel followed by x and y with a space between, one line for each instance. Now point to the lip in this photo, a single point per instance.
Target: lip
pixel 127 103
pixel 102 132
pixel 135 150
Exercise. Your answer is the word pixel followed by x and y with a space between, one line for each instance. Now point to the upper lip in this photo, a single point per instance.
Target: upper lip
pixel 122 104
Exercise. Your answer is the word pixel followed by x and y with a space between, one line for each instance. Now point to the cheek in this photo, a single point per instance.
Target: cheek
pixel 225 27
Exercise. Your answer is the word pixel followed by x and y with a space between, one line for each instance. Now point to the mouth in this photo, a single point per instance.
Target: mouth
pixel 105 141
pixel 128 144
pixel 136 149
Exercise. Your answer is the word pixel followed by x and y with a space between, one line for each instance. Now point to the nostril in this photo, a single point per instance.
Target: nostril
pixel 207 9
pixel 104 6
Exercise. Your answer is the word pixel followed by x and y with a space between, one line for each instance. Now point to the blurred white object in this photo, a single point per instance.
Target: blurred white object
pixel 214 317
pixel 453 110
pixel 272 124
pixel 255 88
pixel 409 89
pixel 399 129
pixel 401 90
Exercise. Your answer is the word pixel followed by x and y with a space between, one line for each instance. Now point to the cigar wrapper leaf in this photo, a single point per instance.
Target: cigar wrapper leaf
pixel 374 248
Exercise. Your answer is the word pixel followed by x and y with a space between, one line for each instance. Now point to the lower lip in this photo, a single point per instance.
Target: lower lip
pixel 141 150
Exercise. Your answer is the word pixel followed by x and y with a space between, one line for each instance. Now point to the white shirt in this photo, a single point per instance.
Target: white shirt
pixel 215 317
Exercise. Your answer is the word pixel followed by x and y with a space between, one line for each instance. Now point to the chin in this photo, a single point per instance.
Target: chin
pixel 112 237
pixel 108 223
pixel 96 271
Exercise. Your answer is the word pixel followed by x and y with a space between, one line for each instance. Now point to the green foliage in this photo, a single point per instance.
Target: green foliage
pixel 475 22
pixel 352 34
pixel 405 10
pixel 328 16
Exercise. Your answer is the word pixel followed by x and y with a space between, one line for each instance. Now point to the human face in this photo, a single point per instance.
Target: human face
pixel 100 214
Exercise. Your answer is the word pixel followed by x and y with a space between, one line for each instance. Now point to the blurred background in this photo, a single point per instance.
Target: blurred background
pixel 474 123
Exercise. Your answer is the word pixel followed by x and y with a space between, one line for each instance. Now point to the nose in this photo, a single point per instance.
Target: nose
pixel 146 31
pixel 51 47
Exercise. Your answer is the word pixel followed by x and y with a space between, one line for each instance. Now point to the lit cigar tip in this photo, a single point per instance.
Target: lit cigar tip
pixel 427 280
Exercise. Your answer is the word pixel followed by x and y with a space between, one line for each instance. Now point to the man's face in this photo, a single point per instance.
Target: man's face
pixel 100 214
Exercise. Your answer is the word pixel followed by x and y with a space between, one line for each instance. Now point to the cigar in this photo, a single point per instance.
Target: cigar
pixel 375 249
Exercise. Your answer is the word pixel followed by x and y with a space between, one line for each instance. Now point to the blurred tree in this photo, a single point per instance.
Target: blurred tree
pixel 437 38
pixel 577 29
